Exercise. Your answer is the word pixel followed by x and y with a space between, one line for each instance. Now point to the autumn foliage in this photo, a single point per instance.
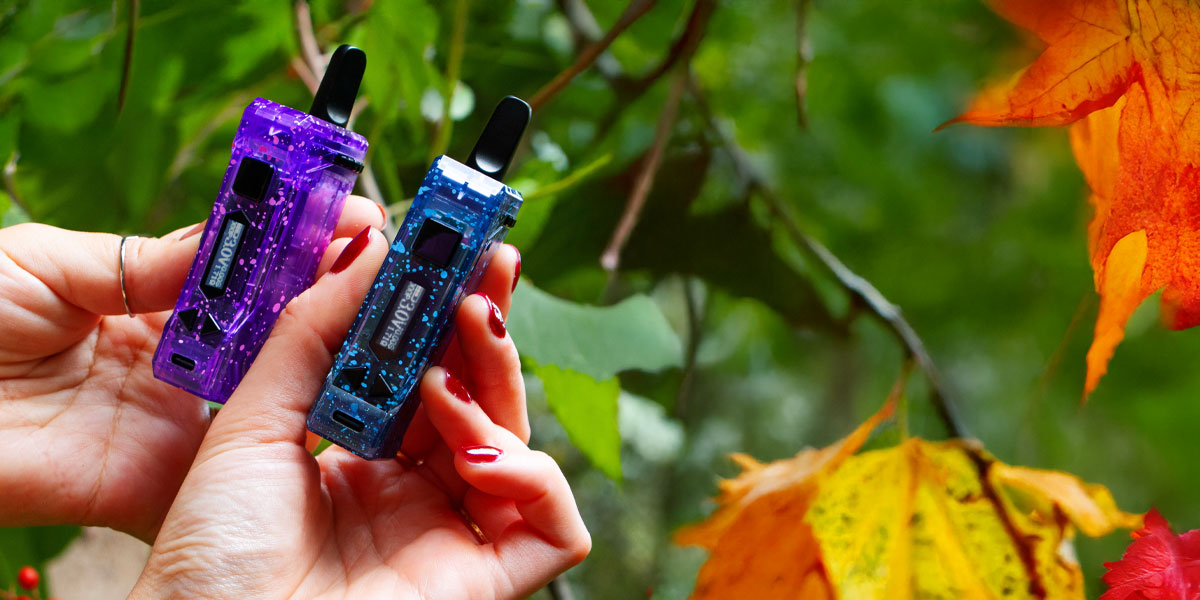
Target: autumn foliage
pixel 1158 565
pixel 1123 75
pixel 918 520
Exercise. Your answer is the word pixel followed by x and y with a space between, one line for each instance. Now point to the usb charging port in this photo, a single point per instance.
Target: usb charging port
pixel 348 421
pixel 183 361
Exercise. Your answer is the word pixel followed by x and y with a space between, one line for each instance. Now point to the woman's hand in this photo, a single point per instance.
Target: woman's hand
pixel 467 510
pixel 87 433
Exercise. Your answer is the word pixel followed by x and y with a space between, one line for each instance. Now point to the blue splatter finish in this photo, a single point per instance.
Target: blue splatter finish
pixel 279 203
pixel 404 323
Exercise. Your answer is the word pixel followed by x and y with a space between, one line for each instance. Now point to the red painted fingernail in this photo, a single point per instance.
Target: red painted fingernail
pixel 456 388
pixel 382 215
pixel 517 275
pixel 495 319
pixel 193 231
pixel 481 454
pixel 351 251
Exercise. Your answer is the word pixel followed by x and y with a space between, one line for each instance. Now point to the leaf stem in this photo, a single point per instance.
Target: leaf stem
pixel 900 397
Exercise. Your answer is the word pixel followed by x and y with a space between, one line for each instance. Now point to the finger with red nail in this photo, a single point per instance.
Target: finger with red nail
pixel 500 468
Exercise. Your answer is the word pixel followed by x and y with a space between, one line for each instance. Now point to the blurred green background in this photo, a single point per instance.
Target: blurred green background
pixel 734 339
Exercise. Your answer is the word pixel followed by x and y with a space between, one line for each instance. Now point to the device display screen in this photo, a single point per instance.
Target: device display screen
pixel 224 254
pixel 396 320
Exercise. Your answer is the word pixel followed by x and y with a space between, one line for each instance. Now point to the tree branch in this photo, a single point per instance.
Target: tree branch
pixel 611 257
pixel 632 13
pixel 314 63
pixel 684 46
pixel 861 291
pixel 585 31
pixel 305 73
pixel 629 89
pixel 681 53
pixel 307 37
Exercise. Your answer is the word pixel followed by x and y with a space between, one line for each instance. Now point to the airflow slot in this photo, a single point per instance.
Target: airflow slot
pixel 183 361
pixel 348 421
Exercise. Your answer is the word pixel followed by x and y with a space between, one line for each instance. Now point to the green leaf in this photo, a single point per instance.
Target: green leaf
pixel 593 340
pixel 587 409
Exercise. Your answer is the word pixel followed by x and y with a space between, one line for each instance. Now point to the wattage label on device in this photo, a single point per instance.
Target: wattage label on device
pixel 224 254
pixel 398 317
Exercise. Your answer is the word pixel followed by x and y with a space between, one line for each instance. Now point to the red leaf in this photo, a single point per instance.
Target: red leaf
pixel 1158 565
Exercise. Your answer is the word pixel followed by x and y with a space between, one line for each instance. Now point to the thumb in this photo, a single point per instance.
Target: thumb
pixel 272 402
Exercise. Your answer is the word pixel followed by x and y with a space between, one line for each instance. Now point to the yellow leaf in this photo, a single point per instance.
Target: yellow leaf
pixel 748 553
pixel 918 520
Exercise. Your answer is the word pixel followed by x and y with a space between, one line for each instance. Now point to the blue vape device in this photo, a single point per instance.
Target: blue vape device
pixel 458 219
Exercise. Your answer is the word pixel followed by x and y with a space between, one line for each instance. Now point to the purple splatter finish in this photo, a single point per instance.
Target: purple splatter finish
pixel 281 198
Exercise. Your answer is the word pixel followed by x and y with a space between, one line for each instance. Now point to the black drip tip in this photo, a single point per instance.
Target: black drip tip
pixel 500 138
pixel 339 87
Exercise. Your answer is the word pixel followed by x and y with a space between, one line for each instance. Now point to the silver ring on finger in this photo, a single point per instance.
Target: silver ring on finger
pixel 121 270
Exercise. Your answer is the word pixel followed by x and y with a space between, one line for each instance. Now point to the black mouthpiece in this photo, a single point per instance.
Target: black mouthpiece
pixel 339 87
pixel 500 138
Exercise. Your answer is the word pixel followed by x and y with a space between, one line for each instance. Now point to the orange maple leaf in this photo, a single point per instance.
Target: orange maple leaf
pixel 1126 75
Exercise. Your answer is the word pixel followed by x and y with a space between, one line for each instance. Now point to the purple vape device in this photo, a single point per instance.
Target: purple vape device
pixel 279 202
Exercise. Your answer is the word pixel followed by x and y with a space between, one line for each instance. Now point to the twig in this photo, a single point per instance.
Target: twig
pixel 127 65
pixel 559 589
pixel 611 257
pixel 632 13
pixel 314 64
pixel 305 73
pixel 371 189
pixel 628 89
pixel 861 291
pixel 585 31
pixel 682 50
pixel 803 59
pixel 441 136
pixel 684 46
pixel 308 39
